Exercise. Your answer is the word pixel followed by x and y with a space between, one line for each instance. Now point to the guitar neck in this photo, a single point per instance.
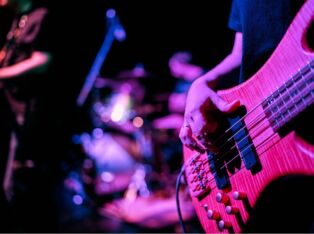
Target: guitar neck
pixel 292 98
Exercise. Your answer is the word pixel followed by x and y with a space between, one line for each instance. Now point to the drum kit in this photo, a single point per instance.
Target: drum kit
pixel 121 154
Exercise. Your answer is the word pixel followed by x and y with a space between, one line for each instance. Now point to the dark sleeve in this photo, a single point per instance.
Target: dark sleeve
pixel 234 22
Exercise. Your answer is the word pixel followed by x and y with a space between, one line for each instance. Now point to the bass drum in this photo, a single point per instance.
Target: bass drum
pixel 109 166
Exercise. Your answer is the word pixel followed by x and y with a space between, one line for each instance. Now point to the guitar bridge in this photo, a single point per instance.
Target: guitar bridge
pixel 198 175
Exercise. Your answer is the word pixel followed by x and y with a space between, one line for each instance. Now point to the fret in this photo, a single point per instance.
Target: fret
pixel 283 106
pixel 296 77
pixel 308 80
pixel 306 69
pixel 291 98
pixel 311 66
pixel 266 105
pixel 284 100
pixel 309 99
pixel 302 85
pixel 309 88
pixel 278 121
pixel 277 103
pixel 272 107
pixel 295 109
pixel 292 95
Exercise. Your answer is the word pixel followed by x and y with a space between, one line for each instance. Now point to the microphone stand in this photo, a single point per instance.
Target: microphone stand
pixel 115 31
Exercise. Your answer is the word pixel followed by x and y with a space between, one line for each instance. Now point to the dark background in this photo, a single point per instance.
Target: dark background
pixel 154 31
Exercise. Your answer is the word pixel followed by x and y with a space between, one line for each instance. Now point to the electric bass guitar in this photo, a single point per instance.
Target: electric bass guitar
pixel 261 143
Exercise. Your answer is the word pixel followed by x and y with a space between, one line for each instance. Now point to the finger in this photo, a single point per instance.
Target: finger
pixel 222 104
pixel 209 145
pixel 205 140
pixel 197 123
pixel 204 123
pixel 194 145
pixel 201 128
pixel 188 140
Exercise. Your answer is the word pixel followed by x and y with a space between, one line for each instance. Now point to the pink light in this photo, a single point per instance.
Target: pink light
pixel 138 122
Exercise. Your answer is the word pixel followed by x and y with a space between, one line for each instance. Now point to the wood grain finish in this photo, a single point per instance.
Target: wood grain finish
pixel 278 155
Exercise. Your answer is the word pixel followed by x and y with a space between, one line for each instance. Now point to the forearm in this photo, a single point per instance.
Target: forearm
pixel 228 64
pixel 37 62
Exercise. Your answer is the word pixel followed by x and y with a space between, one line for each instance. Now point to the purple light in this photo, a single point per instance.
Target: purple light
pixel 77 199
pixel 111 13
pixel 98 133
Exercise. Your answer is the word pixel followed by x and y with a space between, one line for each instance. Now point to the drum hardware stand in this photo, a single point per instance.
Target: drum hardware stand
pixel 115 31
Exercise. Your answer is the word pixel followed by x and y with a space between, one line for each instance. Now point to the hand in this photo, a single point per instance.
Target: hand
pixel 198 124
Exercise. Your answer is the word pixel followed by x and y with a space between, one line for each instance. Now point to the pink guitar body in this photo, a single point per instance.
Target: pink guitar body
pixel 278 155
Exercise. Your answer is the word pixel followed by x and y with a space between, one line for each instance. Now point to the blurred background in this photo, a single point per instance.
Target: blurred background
pixel 120 73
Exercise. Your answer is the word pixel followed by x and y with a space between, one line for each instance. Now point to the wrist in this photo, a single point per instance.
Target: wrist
pixel 210 79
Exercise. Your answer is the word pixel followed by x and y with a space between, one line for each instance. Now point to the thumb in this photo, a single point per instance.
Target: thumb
pixel 223 105
pixel 230 107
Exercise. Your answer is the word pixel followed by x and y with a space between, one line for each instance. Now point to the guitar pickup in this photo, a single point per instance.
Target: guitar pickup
pixel 244 142
pixel 218 170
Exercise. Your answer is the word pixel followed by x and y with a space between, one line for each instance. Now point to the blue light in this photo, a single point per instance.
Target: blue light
pixel 111 13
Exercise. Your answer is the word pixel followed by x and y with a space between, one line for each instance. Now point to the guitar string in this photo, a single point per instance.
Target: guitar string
pixel 251 124
pixel 249 127
pixel 223 156
pixel 212 180
pixel 237 156
pixel 229 129
pixel 254 135
pixel 238 153
pixel 262 114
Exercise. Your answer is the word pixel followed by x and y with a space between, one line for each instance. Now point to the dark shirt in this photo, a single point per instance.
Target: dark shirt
pixel 263 23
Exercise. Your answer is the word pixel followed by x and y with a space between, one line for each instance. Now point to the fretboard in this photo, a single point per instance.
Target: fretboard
pixel 293 97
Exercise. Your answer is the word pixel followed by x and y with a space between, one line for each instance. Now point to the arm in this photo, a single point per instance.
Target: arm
pixel 202 97
pixel 36 63
pixel 227 65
